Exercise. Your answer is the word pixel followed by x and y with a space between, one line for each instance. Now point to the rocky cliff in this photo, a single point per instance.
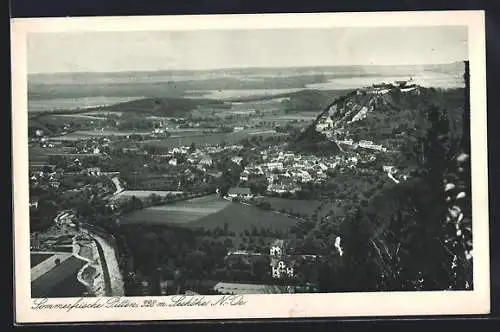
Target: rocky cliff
pixel 385 117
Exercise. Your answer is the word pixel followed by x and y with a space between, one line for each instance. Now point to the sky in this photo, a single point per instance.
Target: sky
pixel 206 49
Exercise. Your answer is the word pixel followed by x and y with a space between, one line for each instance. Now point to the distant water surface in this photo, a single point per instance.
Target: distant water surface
pixel 233 84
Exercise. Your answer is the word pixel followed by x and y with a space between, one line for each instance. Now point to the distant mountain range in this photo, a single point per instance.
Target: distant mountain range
pixel 260 70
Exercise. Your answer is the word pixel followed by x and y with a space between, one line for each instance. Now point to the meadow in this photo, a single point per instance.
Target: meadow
pixel 87 116
pixel 298 206
pixel 179 213
pixel 241 217
pixel 210 212
pixel 146 193
pixel 92 134
pixel 202 139
pixel 39 155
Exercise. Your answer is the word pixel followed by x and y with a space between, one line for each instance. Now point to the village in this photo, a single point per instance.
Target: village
pixel 110 174
pixel 283 172
pixel 157 172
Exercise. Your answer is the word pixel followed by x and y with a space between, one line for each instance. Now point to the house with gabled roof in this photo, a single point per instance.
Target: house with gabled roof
pixel 239 192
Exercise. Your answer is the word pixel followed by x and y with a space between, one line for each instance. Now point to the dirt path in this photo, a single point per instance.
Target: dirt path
pixel 117 183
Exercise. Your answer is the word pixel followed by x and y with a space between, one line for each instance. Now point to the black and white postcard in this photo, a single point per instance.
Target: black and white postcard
pixel 250 166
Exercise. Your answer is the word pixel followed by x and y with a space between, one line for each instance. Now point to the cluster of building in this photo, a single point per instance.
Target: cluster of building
pixel 41 140
pixel 66 218
pixel 44 177
pixel 281 265
pixel 285 171
pixel 71 181
pixel 285 265
pixel 201 158
pixel 92 146
pixel 384 88
pixel 365 144
pixel 326 125
pixel 197 158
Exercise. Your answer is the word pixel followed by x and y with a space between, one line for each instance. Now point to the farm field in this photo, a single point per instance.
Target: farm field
pixel 62 119
pixel 108 133
pixel 152 182
pixel 146 193
pixel 38 155
pixel 89 134
pixel 38 158
pixel 211 212
pixel 180 213
pixel 81 116
pixel 302 207
pixel 208 139
pixel 241 217
pixel 103 113
pixel 309 116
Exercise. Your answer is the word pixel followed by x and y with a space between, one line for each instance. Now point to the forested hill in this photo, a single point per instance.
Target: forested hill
pixel 170 107
pixel 390 115
pixel 415 234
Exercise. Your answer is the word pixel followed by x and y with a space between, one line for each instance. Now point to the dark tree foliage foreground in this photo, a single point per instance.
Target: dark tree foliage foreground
pixel 416 235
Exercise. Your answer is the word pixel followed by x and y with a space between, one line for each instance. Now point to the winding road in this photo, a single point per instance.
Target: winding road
pixel 112 274
pixel 392 177
pixel 113 281
pixel 119 188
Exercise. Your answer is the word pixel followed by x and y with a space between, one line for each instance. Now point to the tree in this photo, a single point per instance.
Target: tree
pixel 228 243
pixel 360 272
pixel 264 205
pixel 192 147
pixel 457 232
pixel 195 262
pixel 148 250
pixel 136 204
pixel 258 186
